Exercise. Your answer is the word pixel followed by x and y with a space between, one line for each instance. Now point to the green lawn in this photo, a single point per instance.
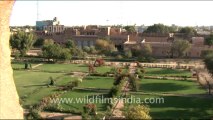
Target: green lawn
pixel 19 65
pixel 79 98
pixel 97 82
pixel 166 72
pixel 180 107
pixel 170 86
pixel 71 68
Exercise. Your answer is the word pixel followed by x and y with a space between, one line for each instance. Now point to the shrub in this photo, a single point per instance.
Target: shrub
pixel 90 109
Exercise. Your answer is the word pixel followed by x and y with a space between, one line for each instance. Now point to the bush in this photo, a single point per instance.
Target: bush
pixel 115 91
pixel 90 109
pixel 119 57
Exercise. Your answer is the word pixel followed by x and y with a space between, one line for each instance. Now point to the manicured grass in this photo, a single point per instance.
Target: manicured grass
pixel 97 82
pixel 79 98
pixel 19 65
pixel 180 107
pixel 170 86
pixel 71 68
pixel 27 81
pixel 166 72
pixel 36 97
pixel 64 80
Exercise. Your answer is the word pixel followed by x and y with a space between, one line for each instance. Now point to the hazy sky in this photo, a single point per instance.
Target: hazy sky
pixel 114 12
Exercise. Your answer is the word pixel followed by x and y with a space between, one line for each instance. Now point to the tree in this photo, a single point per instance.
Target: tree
pixel 147 50
pixel 70 44
pixel 138 112
pixel 39 42
pixel 105 46
pixel 22 41
pixel 51 51
pixel 180 47
pixel 130 29
pixel 209 40
pixel 188 31
pixel 159 28
pixel 208 60
pixel 128 53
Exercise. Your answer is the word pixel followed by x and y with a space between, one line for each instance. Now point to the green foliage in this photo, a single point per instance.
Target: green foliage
pixel 137 112
pixel 90 109
pixel 22 41
pixel 188 31
pixel 147 50
pixel 159 28
pixel 33 113
pixel 105 46
pixel 39 42
pixel 115 91
pixel 180 47
pixel 209 40
pixel 128 53
pixel 86 49
pixel 130 29
pixel 208 60
pixel 134 83
pixel 55 51
pixel 70 44
pixel 205 53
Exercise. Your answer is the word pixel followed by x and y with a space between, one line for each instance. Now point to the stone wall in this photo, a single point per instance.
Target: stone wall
pixel 9 100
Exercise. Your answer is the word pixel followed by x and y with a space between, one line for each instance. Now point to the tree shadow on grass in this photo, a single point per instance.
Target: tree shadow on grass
pixel 194 113
pixel 182 107
pixel 162 87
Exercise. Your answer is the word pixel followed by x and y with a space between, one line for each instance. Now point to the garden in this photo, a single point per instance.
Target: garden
pixel 183 97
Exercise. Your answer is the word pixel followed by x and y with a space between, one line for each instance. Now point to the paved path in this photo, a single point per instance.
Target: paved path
pixel 60 116
pixel 117 112
pixel 37 65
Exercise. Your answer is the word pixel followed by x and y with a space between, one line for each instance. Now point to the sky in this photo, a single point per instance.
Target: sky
pixel 71 13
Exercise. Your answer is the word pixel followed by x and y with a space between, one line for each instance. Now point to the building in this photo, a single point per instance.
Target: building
pixel 49 26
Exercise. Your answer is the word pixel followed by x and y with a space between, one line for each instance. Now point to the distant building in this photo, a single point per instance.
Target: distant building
pixel 49 26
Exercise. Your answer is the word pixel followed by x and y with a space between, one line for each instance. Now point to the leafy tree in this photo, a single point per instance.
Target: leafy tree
pixel 209 40
pixel 22 41
pixel 188 31
pixel 208 60
pixel 130 29
pixel 138 112
pixel 147 50
pixel 159 28
pixel 86 49
pixel 48 42
pixel 136 51
pixel 180 47
pixel 52 51
pixel 70 44
pixel 39 42
pixel 65 54
pixel 105 46
pixel 128 53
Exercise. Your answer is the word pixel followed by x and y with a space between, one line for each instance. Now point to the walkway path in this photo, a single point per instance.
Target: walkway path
pixel 117 112
pixel 60 116
pixel 37 65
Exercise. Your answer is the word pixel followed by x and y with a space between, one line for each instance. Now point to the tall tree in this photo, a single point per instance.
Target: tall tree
pixel 130 29
pixel 147 50
pixel 188 31
pixel 180 47
pixel 208 60
pixel 159 28
pixel 22 41
pixel 209 40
